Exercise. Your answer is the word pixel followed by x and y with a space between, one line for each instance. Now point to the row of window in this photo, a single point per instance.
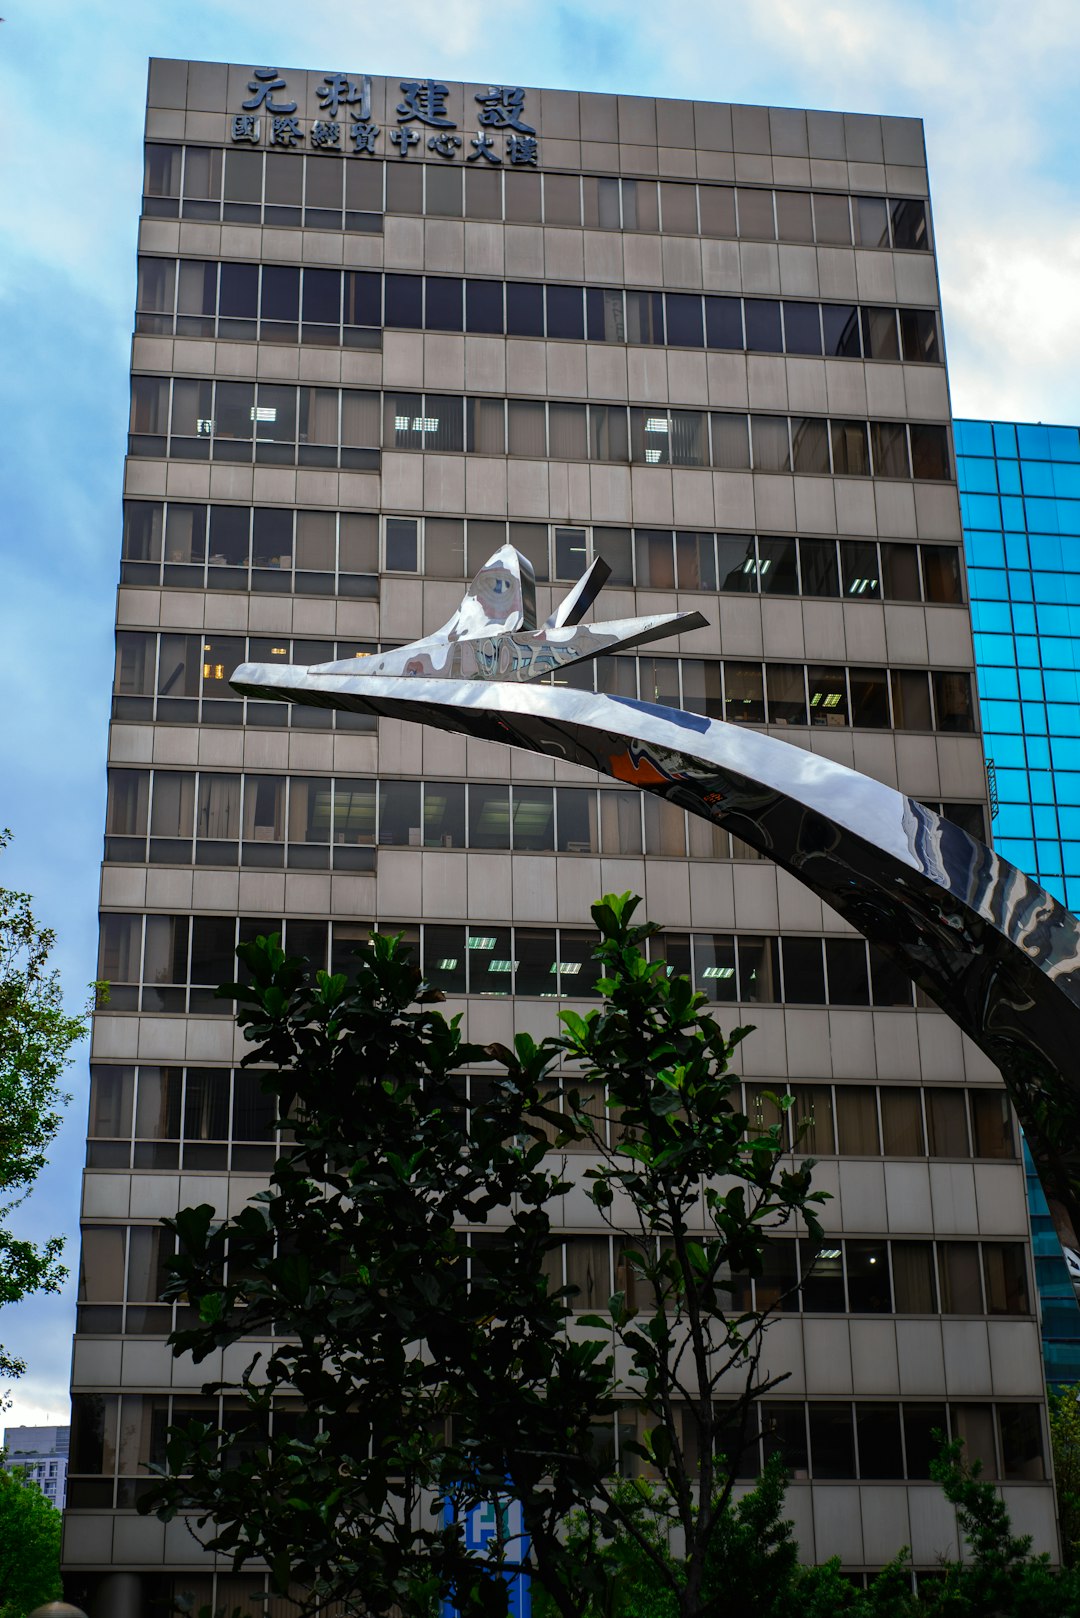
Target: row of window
pixel 183 958
pixel 325 195
pixel 128 1264
pixel 118 1437
pixel 1025 440
pixel 1044 515
pixel 168 1118
pixel 325 552
pixel 282 425
pixel 1051 480
pixel 272 303
pixel 179 667
pixel 153 816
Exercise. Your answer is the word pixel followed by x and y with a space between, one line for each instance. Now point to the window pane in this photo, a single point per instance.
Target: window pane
pixel 537 972
pixel 828 695
pixel 941 573
pixel 714 965
pixel 901 1122
pixel 744 700
pixel 723 322
pixel 264 808
pixel 877 1427
pixel 527 429
pixel 605 314
pixel 399 813
pixel 771 449
pixel 804 972
pixel 601 202
pixel 958 1270
pixel 322 295
pixel 802 328
pixel 533 818
pixel 787 694
pixel 900 572
pixel 763 325
pixel 404 185
pixel 161 172
pixel 888 442
pixel 919 335
pixel 486 423
pixel 880 337
pixel 650 436
pixel 777 567
pixel 736 563
pixel 871 221
pixel 608 434
pixel 840 322
pixel 1005 1276
pixel 832 222
pixel 794 221
pixel 531 539
pixel 848 982
pixel 489 816
pixel 974 1425
pixel 524 309
pixel 850 452
pixel 913 1278
pixel 869 1290
pixel 929 451
pixel 1020 1427
pixel 655 560
pixel 562 199
pixel 566 427
pixel 639 205
pixel 404 300
pixel 869 698
pixel 810 442
pixel 401 544
pixel 444 547
pixel 730 442
pixel 685 328
pixel 909 224
pixel 702 690
pixel 952 701
pixel 444 426
pixel 812 1119
pixel 484 306
pixel 817 561
pixel 443 191
pixel 442 307
pixel 695 558
pixel 755 213
pixel 946 1123
pixel 857 1120
pixel 759 969
pixel 911 700
pixel 678 209
pixel 921 1422
pixel 523 198
pixel 644 317
pixel 620 822
pixel 832 1441
pixel 991 1122
pixel 717 204
pixel 689 438
pixel 354 812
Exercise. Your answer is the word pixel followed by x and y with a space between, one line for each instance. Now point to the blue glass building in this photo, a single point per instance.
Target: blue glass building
pixel 1020 502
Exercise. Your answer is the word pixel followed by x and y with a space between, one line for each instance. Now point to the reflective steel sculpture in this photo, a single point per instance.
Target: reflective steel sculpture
pixel 995 951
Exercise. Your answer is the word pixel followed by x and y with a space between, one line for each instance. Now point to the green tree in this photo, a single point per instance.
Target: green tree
pixel 29 1547
pixel 1065 1441
pixel 409 1367
pixel 36 1037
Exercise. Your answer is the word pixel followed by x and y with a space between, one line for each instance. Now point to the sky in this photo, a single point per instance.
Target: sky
pixel 994 82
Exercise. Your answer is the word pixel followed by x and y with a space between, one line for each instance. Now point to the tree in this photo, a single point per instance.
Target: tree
pixel 414 1374
pixel 36 1037
pixel 29 1546
pixel 1065 1441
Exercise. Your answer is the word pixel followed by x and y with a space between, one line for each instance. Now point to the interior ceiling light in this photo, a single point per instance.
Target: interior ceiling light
pixel 481 941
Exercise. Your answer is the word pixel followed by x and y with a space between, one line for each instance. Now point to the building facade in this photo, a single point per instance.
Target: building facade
pixel 383 326
pixel 1020 505
pixel 41 1454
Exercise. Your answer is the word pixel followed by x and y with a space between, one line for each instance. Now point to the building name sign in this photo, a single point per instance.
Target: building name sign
pixel 347 126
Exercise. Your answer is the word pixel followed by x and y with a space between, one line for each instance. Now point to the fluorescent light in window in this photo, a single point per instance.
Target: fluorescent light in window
pixel 570 968
pixel 718 972
pixel 204 426
pixel 652 456
pixel 429 424
pixel 264 412
pixel 479 941
pixel 402 423
pixel 277 651
pixel 833 699
pixel 859 587
pixel 501 966
pixel 656 424
pixel 831 1252
pixel 763 567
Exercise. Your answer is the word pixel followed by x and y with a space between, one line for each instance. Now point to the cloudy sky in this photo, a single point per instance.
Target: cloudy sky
pixel 994 82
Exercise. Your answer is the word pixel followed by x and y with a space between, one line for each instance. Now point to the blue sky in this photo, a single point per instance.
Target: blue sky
pixel 995 84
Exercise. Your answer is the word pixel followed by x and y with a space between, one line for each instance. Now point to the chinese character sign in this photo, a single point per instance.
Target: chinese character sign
pixel 495 1521
pixel 344 123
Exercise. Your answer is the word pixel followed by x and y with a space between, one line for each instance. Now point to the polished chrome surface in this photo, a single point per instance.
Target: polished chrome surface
pixel 995 951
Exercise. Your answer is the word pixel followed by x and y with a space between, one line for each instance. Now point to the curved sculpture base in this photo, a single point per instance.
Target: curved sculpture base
pixel 990 946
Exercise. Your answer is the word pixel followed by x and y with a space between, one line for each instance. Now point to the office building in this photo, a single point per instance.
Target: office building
pixel 41 1454
pixel 1020 505
pixel 382 327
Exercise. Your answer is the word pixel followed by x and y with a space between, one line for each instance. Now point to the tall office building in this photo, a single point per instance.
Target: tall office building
pixel 1020 505
pixel 384 326
pixel 41 1455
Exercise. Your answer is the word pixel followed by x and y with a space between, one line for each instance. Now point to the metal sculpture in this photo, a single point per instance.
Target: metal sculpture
pixel 983 940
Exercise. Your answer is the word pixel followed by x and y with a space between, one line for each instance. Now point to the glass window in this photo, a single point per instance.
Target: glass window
pixel 644 317
pixel 869 698
pixel 695 556
pixel 565 312
pixel 443 191
pixel 322 298
pixel 678 209
pixel 354 812
pixel 655 560
pixel 568 439
pixel 810 443
pixel 869 1289
pixel 823 1276
pixel 804 972
pixel 527 428
pixel 1020 1429
pixel 744 701
pixel 445 958
pixel 264 808
pixel 900 572
pixel 941 574
pixel 857 1120
pixel 840 324
pixel 639 205
pixel 828 695
pixel 730 442
pixel 523 204
pixel 444 422
pixel 891 985
pixel 442 306
pixel 404 297
pixel 537 971
pixel 929 451
pixel 921 1423
pixel 1005 1277
pixel 723 323
pixel 909 224
pixel 794 221
pixel 486 424
pixel 702 693
pixel 736 563
pixel 832 220
pixel 111 1092
pixel 777 567
pixel 401 544
pixel 717 204
pixel 689 438
pixel 775 1286
pixel 958 1271
pixel 608 436
pixel 759 969
pixel 772 452
pixel 601 202
pixel 714 966
pixel 946 1123
pixel 850 452
pixel 533 818
pixel 531 539
pixel 787 693
pixel 913 1278
pixel 161 173
pixel 911 700
pixel 888 442
pixel 802 328
pixel 400 820
pixel 818 566
pixel 362 297
pixel 650 436
pixel 763 333
pixel 974 1425
pixel 562 199
pixel 846 961
pixel 812 1119
pixel 755 213
pixel 991 1122
pixel 685 327
pixel 524 308
pixel 881 340
pixel 877 1427
pixel 404 185
pixel 919 336
pixel 832 1440
pixel 489 816
pixel 952 701
pixel 871 217
pixel 605 313
pixel 901 1122
pixel 620 821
